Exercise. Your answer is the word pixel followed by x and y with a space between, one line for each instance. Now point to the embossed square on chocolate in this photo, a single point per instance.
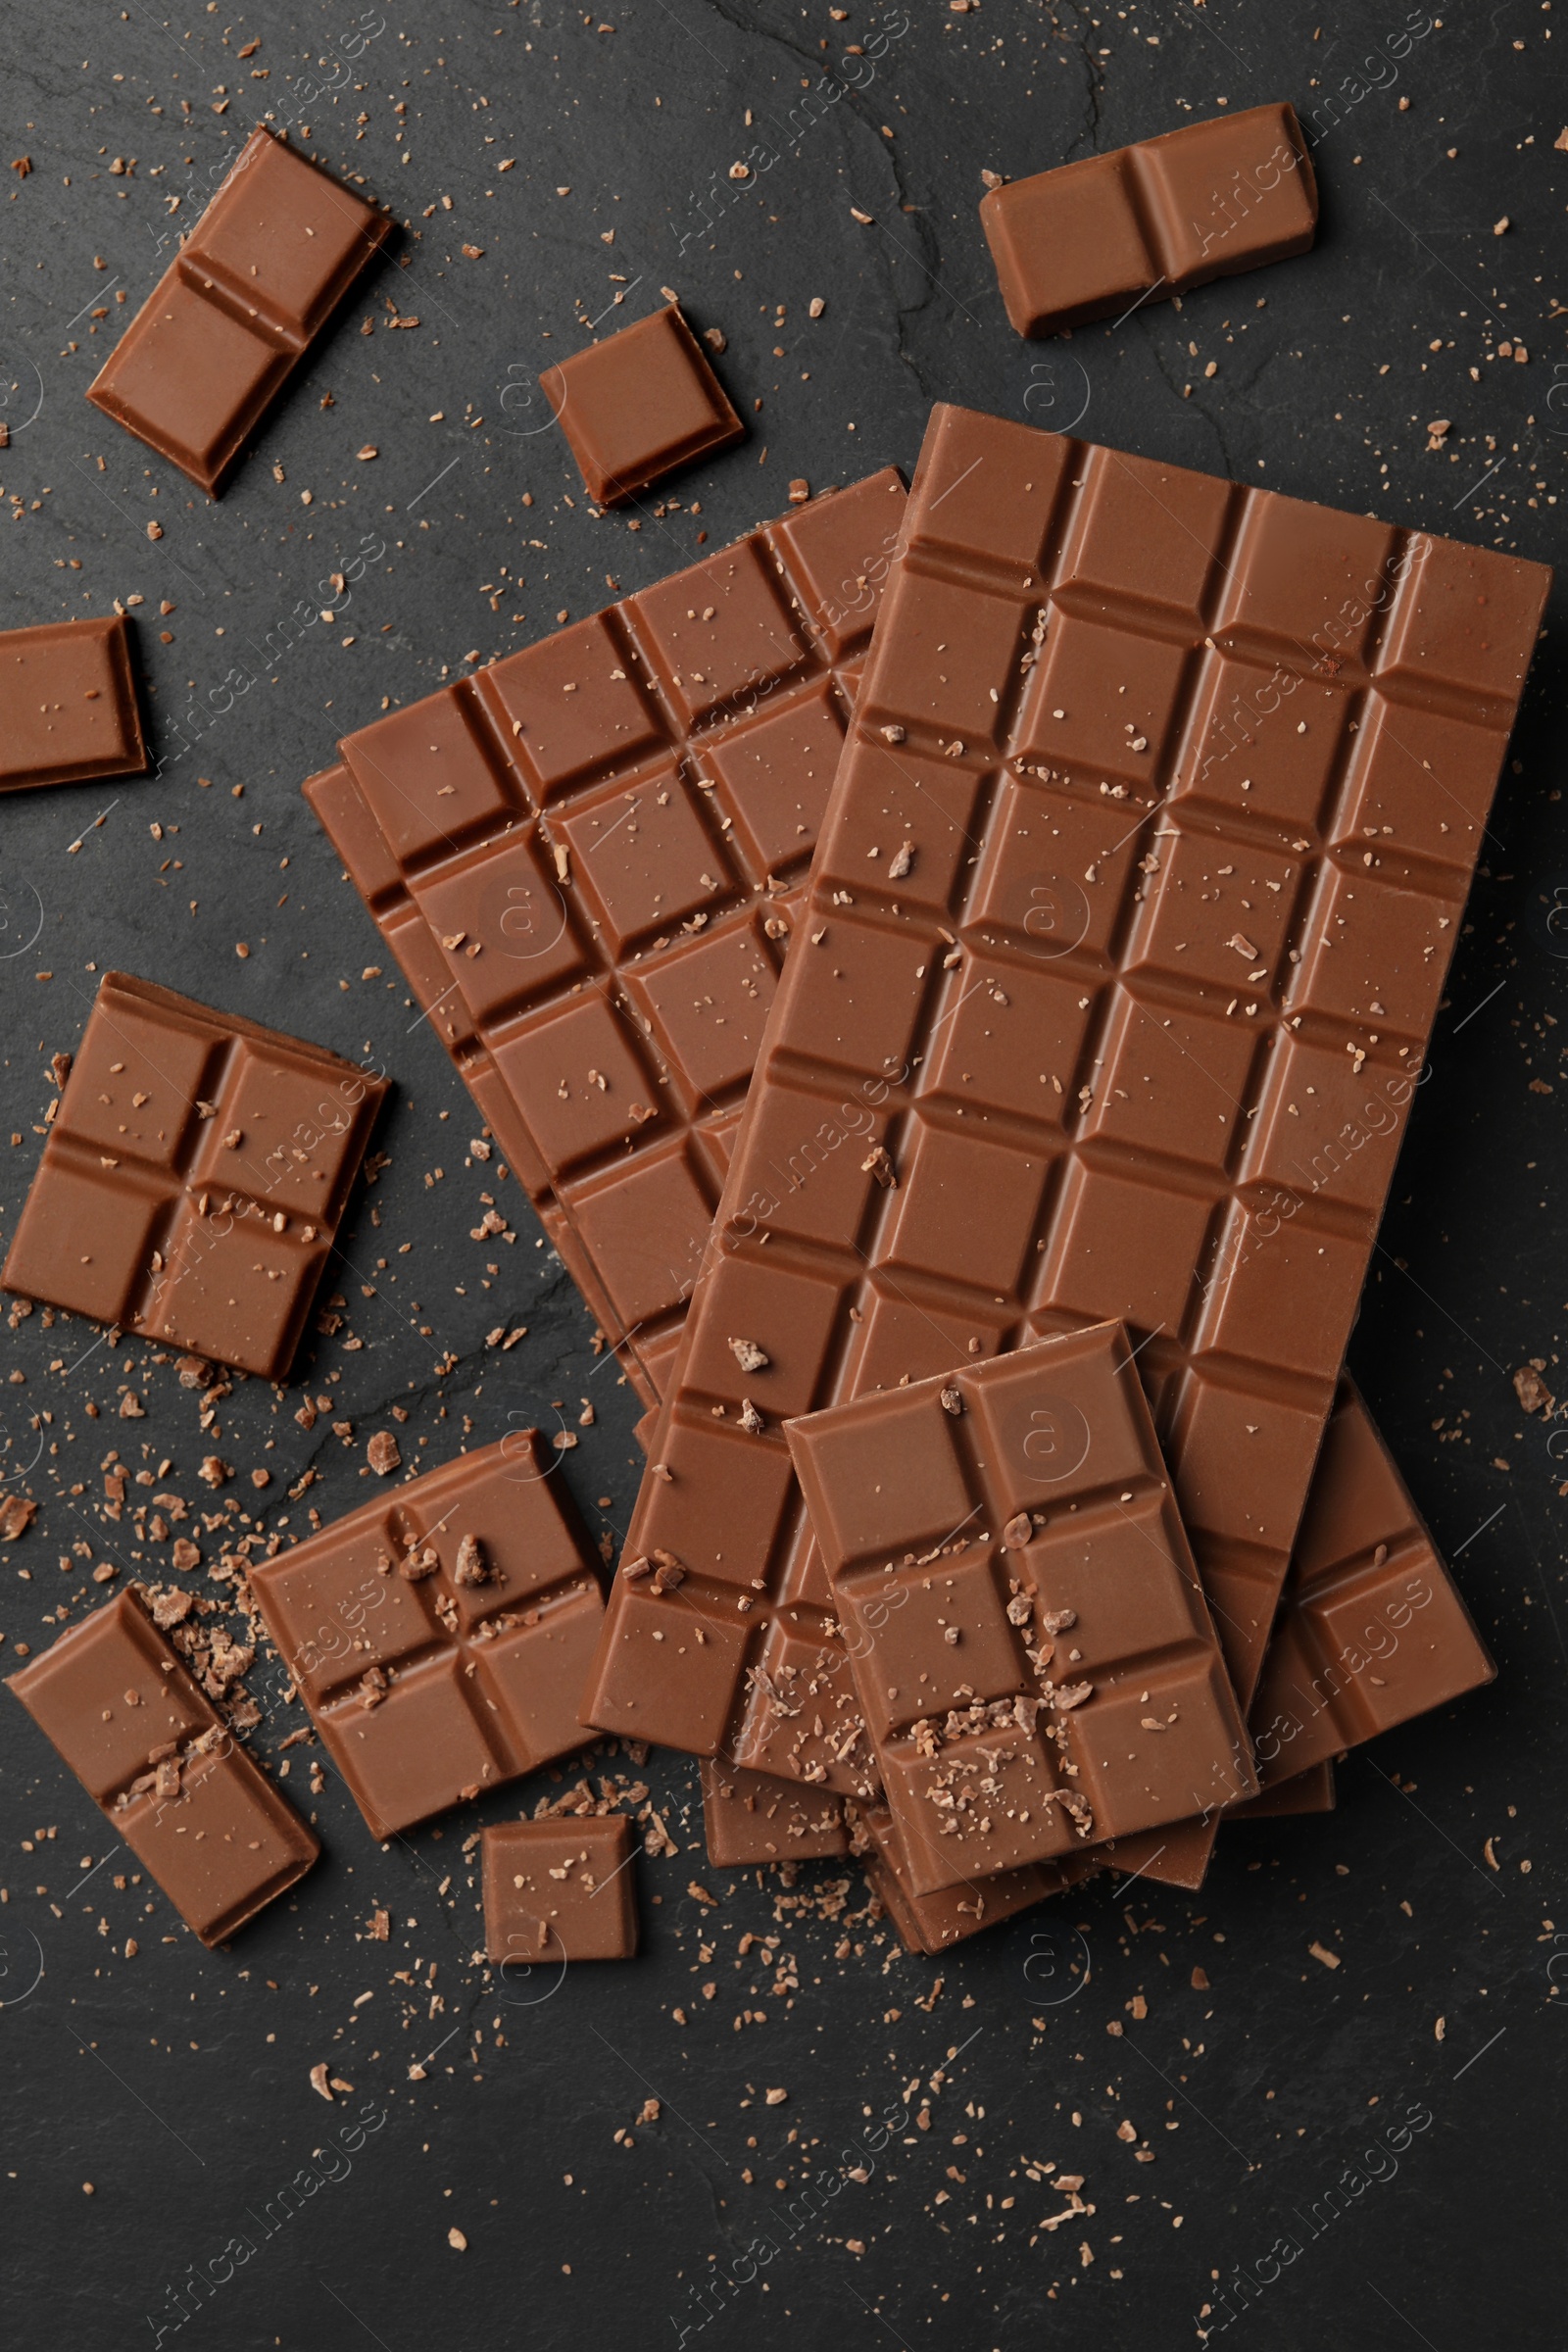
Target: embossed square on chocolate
pixel 638 404
pixel 150 1748
pixel 753 1817
pixel 1085 1073
pixel 587 859
pixel 557 1890
pixel 930 1923
pixel 440 1635
pixel 1148 222
pixel 194 1177
pixel 1034 1656
pixel 237 311
pixel 67 704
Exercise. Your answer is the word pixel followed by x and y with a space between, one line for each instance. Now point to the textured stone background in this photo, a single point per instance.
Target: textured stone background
pixel 588 157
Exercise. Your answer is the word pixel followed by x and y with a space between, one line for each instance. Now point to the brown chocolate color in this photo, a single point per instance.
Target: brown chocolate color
pixel 237 311
pixel 930 1923
pixel 67 704
pixel 753 1817
pixel 1097 238
pixel 557 1890
pixel 1174 821
pixel 426 1685
pixel 203 1818
pixel 194 1178
pixel 1372 1629
pixel 1033 1654
pixel 587 859
pixel 638 404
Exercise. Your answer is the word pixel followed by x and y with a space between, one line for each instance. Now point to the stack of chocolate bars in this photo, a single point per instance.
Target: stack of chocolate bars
pixel 951 971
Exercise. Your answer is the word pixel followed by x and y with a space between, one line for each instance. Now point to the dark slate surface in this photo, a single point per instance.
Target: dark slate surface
pixel 1368 2115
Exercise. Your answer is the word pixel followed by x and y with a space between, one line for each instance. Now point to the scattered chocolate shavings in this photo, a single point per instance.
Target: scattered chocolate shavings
pixel 667 1572
pixel 373 1687
pixel 318 2082
pixel 749 1356
pixel 420 1561
pixel 902 863
pixel 1057 1621
pixel 383 1453
pixel 17 1514
pixel 952 1402
pixel 1528 1385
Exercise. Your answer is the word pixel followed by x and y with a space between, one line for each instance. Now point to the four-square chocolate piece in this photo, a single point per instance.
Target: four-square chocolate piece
pixel 194 1809
pixel 440 1635
pixel 638 404
pixel 1144 223
pixel 559 1890
pixel 236 313
pixel 194 1177
pixel 67 704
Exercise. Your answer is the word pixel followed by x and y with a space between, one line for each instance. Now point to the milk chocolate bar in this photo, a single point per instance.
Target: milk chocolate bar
pixel 588 859
pixel 1372 1629
pixel 639 405
pixel 67 704
pixel 1035 1661
pixel 557 1890
pixel 238 308
pixel 194 1177
pixel 1145 860
pixel 440 1635
pixel 1106 235
pixel 149 1747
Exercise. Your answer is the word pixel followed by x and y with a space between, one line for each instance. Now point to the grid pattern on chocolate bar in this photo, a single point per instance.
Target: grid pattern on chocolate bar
pixel 1183 783
pixel 434 1669
pixel 194 1178
pixel 588 859
pixel 112 1696
pixel 930 1923
pixel 1372 1629
pixel 235 313
pixel 67 704
pixel 1033 1654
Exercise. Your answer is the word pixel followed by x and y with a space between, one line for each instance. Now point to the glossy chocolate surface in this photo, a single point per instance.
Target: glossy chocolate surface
pixel 753 1817
pixel 554 1891
pixel 638 404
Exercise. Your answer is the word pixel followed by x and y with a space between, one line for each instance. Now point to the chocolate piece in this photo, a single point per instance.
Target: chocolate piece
pixel 1194 777
pixel 425 1685
pixel 1309 1791
pixel 1372 1629
pixel 930 1923
pixel 638 404
pixel 237 311
pixel 1100 236
pixel 587 859
pixel 1034 1656
pixel 67 704
pixel 195 1177
pixel 194 1809
pixel 753 1817
pixel 557 1890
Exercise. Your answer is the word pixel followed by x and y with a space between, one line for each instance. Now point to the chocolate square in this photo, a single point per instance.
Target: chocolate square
pixel 557 1890
pixel 638 404
pixel 67 704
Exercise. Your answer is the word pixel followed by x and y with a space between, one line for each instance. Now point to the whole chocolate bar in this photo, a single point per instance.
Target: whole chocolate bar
pixel 237 311
pixel 1106 233
pixel 194 1177
pixel 1033 1657
pixel 1131 915
pixel 440 1635
pixel 67 704
pixel 587 859
pixel 145 1741
pixel 1372 1627
pixel 638 404
pixel 554 1891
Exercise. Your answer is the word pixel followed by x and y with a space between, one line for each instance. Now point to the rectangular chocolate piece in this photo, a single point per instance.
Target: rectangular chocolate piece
pixel 440 1634
pixel 1175 789
pixel 638 404
pixel 1372 1629
pixel 1035 1661
pixel 557 1890
pixel 194 1177
pixel 1100 236
pixel 587 859
pixel 752 1817
pixel 238 308
pixel 67 704
pixel 150 1748
pixel 930 1923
